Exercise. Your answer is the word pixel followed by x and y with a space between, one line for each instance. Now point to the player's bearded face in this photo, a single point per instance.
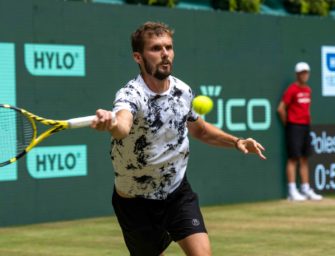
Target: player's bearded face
pixel 157 57
pixel 160 71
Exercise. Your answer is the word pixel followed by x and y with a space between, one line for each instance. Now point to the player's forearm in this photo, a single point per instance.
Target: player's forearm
pixel 216 137
pixel 122 124
pixel 118 124
pixel 119 131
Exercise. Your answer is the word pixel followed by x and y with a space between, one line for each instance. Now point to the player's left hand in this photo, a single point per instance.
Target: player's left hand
pixel 250 146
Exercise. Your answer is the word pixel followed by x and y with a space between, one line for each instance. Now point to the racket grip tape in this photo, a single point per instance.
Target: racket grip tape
pixel 80 122
pixel 85 121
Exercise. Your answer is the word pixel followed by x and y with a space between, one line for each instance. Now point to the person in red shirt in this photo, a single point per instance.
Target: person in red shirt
pixel 294 112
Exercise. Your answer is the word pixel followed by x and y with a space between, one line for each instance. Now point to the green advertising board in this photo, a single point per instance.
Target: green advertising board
pixel 67 59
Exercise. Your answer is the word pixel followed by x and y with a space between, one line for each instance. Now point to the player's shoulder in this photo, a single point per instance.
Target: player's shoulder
pixel 134 86
pixel 134 83
pixel 179 84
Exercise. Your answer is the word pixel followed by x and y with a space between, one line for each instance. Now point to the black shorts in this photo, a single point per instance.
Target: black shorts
pixel 149 226
pixel 298 140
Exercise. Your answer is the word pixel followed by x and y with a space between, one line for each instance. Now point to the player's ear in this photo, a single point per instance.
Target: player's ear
pixel 137 57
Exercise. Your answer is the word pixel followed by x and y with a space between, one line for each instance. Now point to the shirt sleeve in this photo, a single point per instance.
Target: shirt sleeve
pixel 287 96
pixel 126 99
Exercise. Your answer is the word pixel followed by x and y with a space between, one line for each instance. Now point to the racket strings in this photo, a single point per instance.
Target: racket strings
pixel 16 133
pixel 25 132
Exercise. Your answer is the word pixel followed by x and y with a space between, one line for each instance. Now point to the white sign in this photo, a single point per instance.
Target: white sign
pixel 328 70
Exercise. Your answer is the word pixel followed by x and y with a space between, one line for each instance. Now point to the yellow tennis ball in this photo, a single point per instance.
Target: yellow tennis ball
pixel 202 104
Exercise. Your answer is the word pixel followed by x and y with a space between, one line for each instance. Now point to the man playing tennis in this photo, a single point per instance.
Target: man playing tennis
pixel 153 201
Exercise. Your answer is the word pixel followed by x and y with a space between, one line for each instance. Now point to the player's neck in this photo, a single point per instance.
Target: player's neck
pixel 156 85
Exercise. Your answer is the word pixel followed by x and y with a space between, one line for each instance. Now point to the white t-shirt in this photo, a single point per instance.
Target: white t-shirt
pixel 151 161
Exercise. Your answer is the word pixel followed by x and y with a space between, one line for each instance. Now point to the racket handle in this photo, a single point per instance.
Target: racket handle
pixel 85 121
pixel 80 122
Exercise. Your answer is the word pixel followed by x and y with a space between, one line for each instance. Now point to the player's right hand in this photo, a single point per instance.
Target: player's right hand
pixel 105 120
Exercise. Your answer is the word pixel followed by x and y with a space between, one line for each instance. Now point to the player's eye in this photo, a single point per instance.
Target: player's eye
pixel 156 48
pixel 169 47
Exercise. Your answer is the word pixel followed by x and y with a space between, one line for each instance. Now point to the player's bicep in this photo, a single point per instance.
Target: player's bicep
pixel 126 99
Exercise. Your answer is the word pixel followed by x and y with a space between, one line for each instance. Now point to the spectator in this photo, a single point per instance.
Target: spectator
pixel 294 112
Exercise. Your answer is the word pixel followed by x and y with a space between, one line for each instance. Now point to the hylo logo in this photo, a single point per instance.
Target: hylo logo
pixel 55 60
pixel 57 162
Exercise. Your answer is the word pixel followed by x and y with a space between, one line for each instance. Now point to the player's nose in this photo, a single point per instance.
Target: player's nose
pixel 165 52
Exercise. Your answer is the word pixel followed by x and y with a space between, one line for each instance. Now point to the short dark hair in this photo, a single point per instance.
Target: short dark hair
pixel 148 29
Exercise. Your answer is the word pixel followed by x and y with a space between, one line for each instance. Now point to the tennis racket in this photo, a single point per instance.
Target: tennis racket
pixel 25 135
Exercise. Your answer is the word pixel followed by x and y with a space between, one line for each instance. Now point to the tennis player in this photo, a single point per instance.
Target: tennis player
pixel 152 199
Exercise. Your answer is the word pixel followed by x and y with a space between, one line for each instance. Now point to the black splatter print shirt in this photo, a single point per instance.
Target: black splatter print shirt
pixel 151 161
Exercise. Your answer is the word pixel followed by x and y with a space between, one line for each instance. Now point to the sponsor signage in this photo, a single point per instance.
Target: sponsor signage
pixel 328 70
pixel 8 95
pixel 257 111
pixel 322 162
pixel 42 60
pixel 55 60
pixel 57 162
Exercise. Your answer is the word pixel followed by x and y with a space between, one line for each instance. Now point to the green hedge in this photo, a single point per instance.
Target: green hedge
pixel 169 3
pixel 251 6
pixel 311 7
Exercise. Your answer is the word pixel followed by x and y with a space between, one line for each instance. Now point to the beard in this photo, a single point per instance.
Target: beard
pixel 155 72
